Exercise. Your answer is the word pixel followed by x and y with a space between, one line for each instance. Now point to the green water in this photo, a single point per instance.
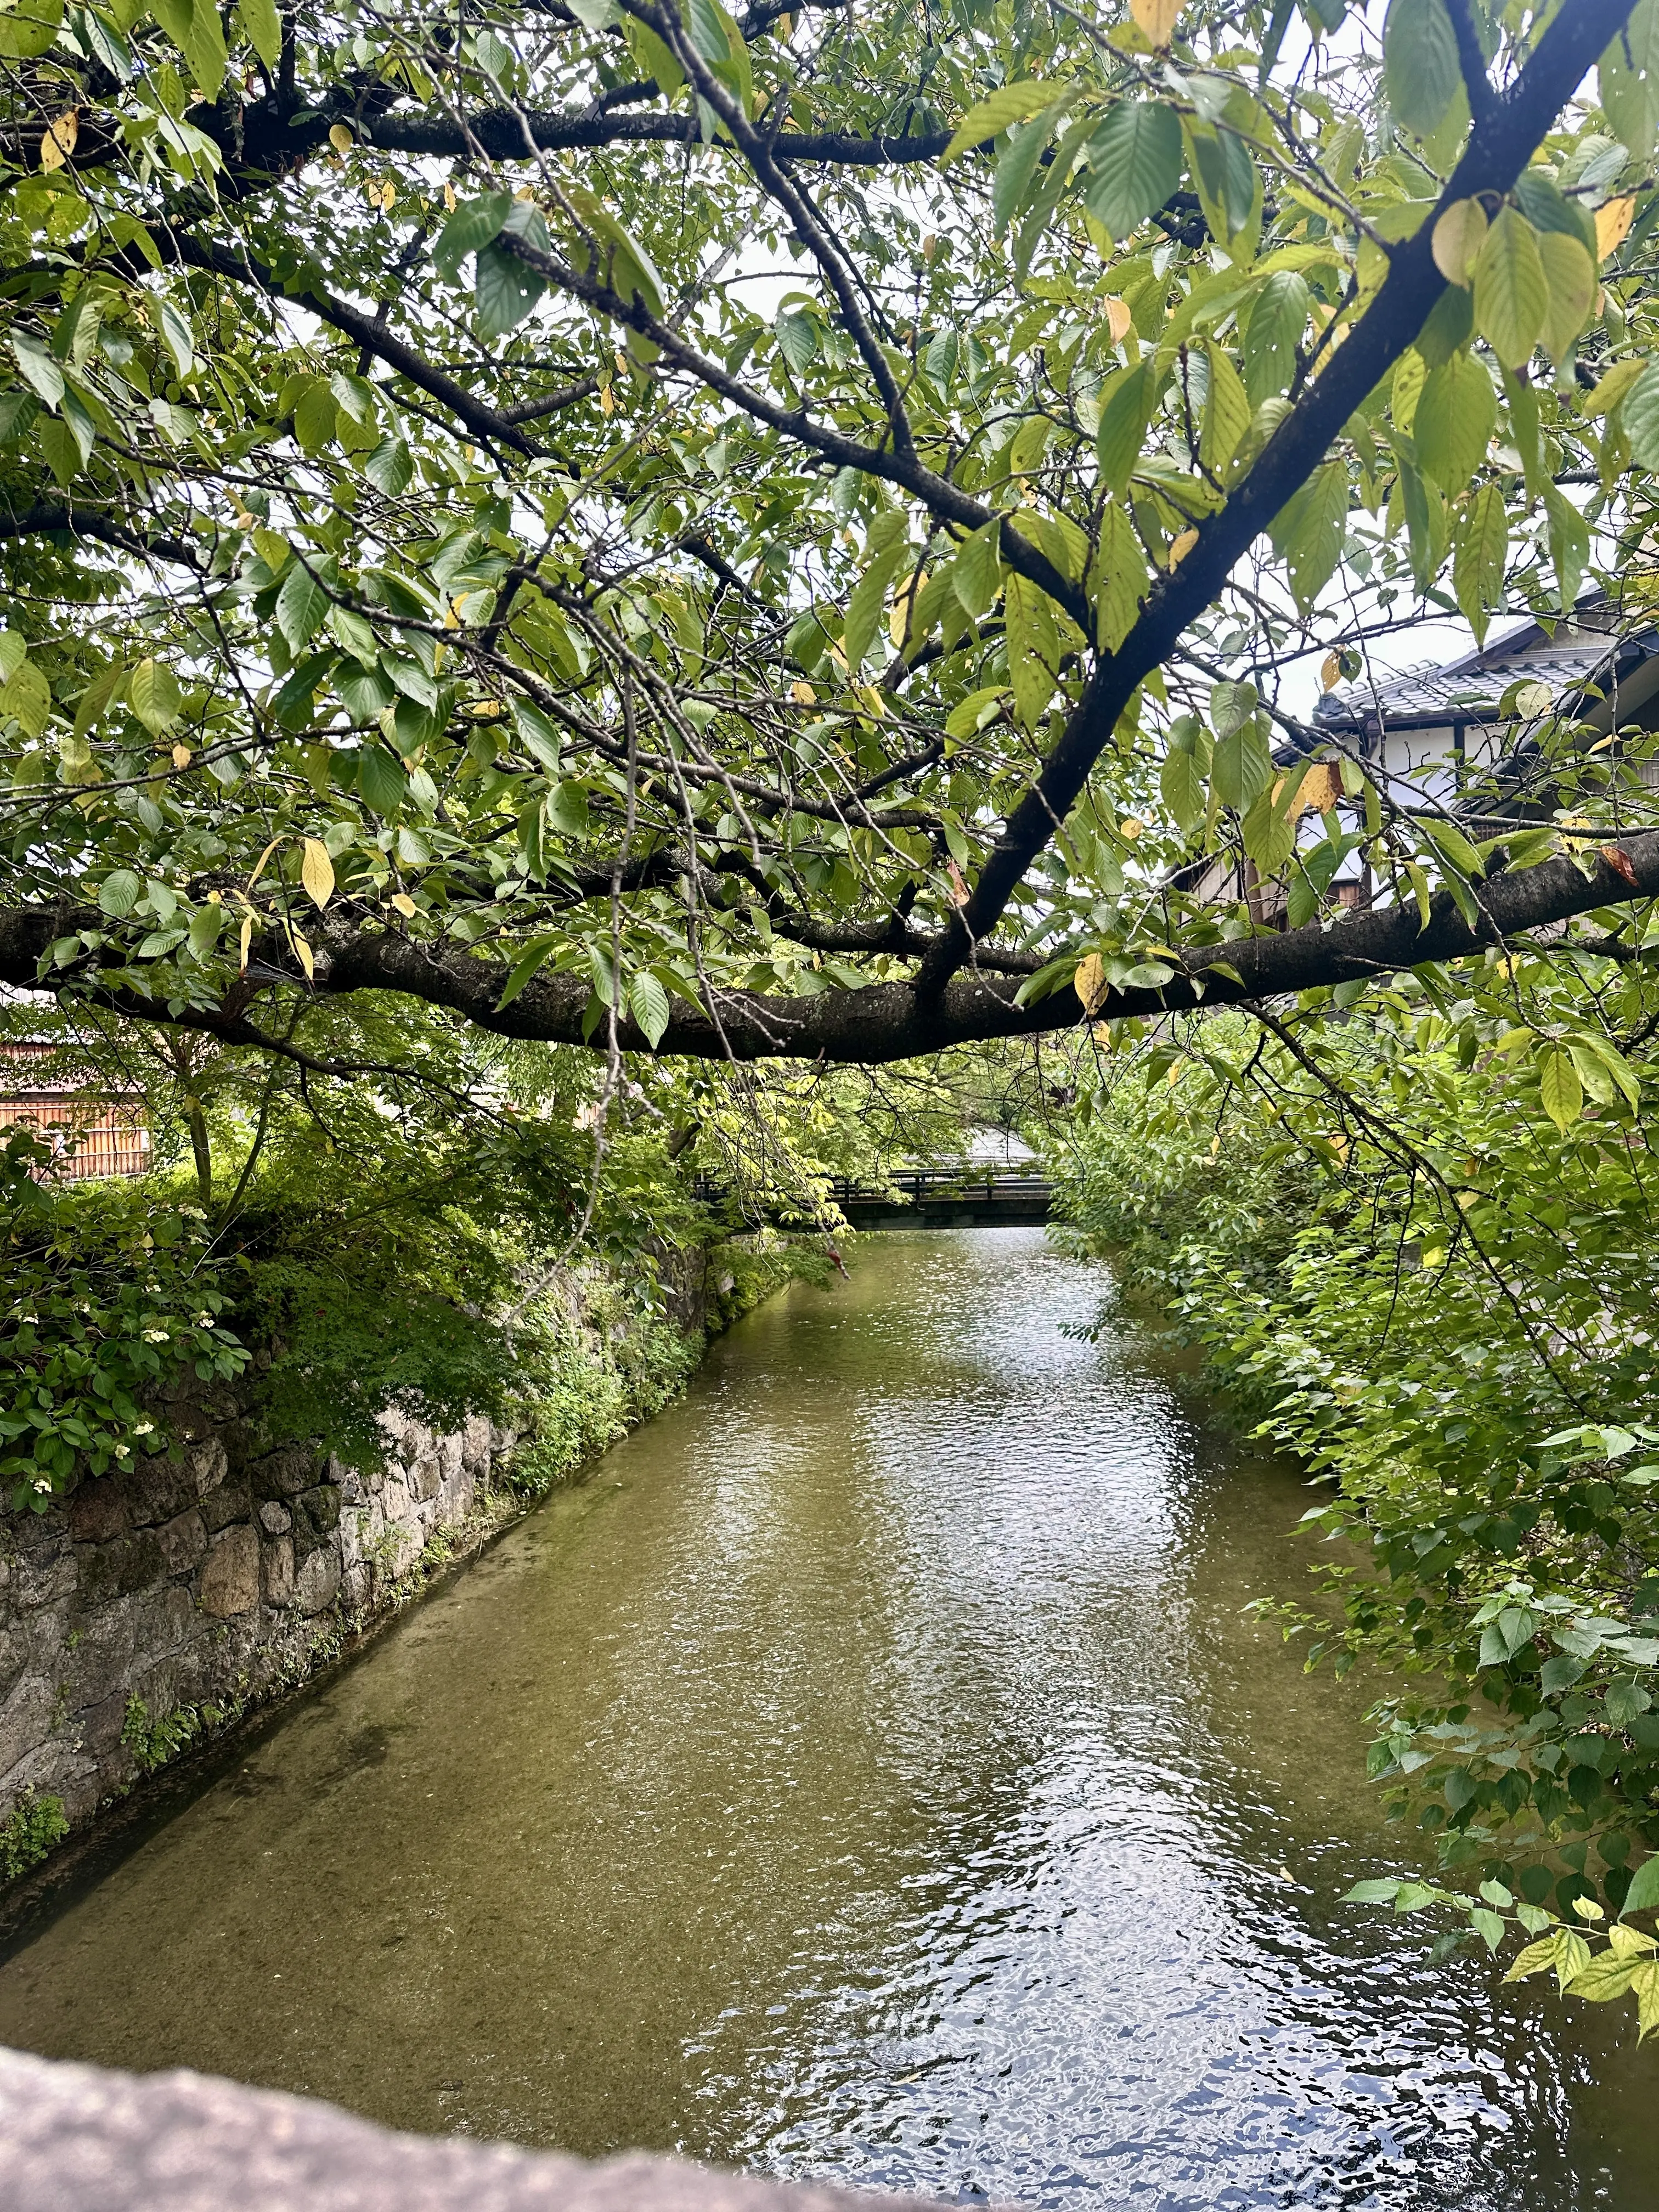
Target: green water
pixel 871 1774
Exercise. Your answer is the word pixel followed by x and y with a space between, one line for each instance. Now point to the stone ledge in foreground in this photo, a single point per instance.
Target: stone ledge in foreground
pixel 77 2139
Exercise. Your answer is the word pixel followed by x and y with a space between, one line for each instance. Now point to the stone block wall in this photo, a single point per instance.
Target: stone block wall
pixel 204 1576
pixel 207 1577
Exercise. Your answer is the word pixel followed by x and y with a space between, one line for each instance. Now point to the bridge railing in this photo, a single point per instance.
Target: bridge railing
pixel 917 1187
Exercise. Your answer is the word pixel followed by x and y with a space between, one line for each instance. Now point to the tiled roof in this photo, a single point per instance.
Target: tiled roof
pixel 1470 690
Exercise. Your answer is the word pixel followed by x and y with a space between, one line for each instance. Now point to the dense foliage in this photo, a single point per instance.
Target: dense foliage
pixel 767 537
pixel 1432 1270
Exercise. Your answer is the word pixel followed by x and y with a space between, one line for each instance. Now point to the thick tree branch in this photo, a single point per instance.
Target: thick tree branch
pixel 881 1021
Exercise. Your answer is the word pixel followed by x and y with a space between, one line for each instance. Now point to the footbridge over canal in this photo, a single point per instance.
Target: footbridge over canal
pixel 940 1198
pixel 1004 1196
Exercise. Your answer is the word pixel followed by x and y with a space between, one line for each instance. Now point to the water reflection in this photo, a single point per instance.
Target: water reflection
pixel 871 1774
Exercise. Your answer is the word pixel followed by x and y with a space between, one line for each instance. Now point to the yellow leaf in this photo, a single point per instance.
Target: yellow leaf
pixel 1458 237
pixel 1130 828
pixel 1119 321
pixel 340 137
pixel 182 757
pixel 304 954
pixel 607 400
pixel 1182 546
pixel 802 693
pixel 259 865
pixel 58 142
pixel 449 198
pixel 1319 790
pixel 317 871
pixel 402 901
pixel 248 939
pixel 1156 18
pixel 1330 672
pixel 1089 983
pixel 1613 224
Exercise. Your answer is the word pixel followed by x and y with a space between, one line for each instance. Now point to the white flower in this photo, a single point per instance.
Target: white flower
pixel 143 1428
pixel 42 1486
pixel 156 1336
pixel 204 1320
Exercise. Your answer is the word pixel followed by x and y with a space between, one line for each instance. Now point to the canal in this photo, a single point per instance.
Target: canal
pixel 870 1774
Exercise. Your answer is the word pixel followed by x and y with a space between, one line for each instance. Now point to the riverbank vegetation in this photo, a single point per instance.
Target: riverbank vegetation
pixel 1424 1263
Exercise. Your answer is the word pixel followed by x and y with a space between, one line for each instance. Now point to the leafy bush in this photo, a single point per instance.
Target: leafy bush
pixel 113 1298
pixel 34 1826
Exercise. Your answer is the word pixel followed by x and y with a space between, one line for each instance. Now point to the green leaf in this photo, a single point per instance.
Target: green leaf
pixel 1640 415
pixel 1420 69
pixel 1243 766
pixel 39 367
pixel 869 596
pixel 505 289
pixel 27 27
pixel 1272 334
pixel 1570 278
pixel 976 570
pixel 798 338
pixel 263 29
pixel 649 1002
pixel 153 694
pixel 302 606
pixel 381 783
pixel 970 715
pixel 1550 212
pixel 1455 418
pixel 538 735
pixel 1046 197
pixel 1628 79
pixel 25 699
pixel 1033 648
pixel 1018 165
pixel 1511 292
pixel 194 28
pixel 1226 411
pixel 173 332
pixel 1120 576
pixel 1134 164
pixel 1606 1976
pixel 1488 1926
pixel 1229 186
pixel 316 416
pixel 1126 401
pixel 1478 563
pixel 535 956
pixel 1559 1091
pixel 1009 104
pixel 1643 1895
pixel 119 892
pixel 1181 783
pixel 390 468
pixel 1309 530
pixel 95 700
pixel 472 225
pixel 1536 1959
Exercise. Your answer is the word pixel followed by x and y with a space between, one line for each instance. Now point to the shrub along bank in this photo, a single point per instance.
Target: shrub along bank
pixel 1417 1247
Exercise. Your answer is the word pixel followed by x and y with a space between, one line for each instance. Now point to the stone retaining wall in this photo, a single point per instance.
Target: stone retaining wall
pixel 207 1577
pixel 211 1576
